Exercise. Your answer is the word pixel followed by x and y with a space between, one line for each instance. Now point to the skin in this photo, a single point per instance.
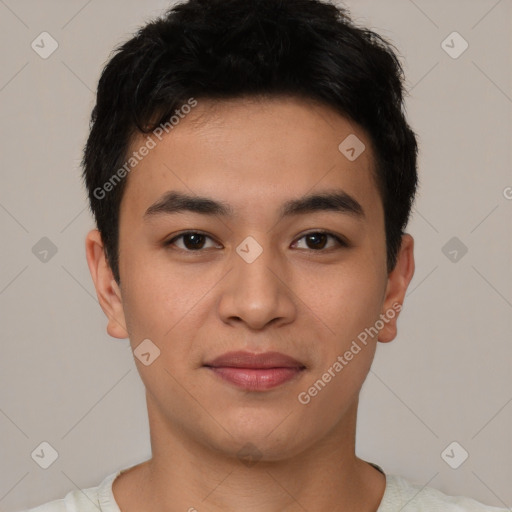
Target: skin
pixel 305 302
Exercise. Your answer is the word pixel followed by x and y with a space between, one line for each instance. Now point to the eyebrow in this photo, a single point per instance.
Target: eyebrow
pixel 336 201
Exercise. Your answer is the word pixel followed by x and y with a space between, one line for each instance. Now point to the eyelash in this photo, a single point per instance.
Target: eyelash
pixel 341 243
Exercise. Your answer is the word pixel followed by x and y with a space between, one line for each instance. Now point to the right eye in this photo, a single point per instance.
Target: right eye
pixel 192 241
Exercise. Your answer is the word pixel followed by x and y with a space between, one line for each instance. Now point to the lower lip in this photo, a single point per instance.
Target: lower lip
pixel 256 379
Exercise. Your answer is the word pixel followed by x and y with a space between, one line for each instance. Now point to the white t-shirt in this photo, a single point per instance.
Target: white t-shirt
pixel 399 495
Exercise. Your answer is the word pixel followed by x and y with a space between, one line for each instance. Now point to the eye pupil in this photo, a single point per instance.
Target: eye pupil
pixel 197 240
pixel 315 237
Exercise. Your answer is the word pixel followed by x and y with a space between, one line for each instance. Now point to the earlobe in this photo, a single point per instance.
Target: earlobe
pixel 107 290
pixel 398 282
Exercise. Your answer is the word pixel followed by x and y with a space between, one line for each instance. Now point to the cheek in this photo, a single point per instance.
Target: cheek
pixel 346 306
pixel 145 296
pixel 162 302
pixel 344 299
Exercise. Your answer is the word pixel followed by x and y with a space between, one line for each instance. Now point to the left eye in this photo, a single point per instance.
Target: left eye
pixel 319 239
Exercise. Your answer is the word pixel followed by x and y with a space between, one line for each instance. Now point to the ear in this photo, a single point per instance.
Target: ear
pixel 107 290
pixel 398 281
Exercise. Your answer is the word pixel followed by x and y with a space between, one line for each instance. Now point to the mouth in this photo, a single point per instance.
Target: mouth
pixel 255 372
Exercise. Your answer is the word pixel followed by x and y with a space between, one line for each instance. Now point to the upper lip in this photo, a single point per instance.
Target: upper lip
pixel 241 359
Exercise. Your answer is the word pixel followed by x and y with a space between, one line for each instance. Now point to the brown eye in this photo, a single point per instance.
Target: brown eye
pixel 191 241
pixel 318 240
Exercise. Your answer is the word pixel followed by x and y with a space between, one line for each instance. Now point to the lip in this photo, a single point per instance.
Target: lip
pixel 264 360
pixel 255 372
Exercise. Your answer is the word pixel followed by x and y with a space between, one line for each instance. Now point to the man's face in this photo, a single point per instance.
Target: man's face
pixel 252 279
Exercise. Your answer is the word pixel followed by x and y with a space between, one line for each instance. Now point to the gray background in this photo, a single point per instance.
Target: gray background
pixel 445 378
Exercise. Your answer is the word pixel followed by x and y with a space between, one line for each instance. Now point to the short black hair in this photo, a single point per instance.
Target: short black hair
pixel 226 49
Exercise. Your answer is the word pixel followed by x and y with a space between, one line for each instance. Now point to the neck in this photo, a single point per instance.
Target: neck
pixel 185 475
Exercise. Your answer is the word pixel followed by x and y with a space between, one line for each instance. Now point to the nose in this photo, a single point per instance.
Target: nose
pixel 257 292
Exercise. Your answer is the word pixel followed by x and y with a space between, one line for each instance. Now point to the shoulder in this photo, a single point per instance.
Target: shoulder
pixel 412 497
pixel 91 499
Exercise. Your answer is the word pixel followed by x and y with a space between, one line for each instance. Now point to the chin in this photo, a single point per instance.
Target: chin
pixel 263 440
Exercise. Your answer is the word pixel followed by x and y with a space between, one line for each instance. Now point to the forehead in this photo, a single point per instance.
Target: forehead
pixel 253 153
